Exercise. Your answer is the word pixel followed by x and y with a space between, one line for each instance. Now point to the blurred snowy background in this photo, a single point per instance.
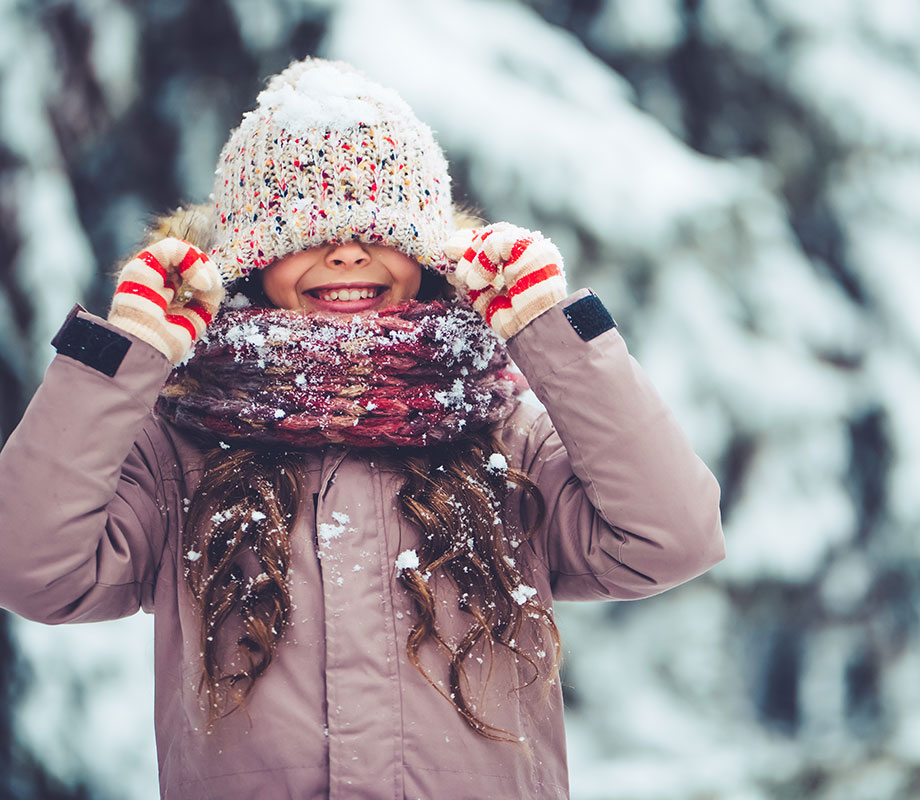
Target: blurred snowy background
pixel 738 179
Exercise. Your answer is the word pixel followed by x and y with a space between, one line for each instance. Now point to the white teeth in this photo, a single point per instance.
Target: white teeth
pixel 347 294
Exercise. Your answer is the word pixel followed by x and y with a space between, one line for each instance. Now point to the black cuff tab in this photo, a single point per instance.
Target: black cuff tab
pixel 588 317
pixel 91 344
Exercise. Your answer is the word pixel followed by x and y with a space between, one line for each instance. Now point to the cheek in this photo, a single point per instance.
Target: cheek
pixel 409 279
pixel 270 289
pixel 278 284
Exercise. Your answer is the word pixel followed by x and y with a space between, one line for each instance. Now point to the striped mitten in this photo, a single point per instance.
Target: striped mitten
pixel 166 296
pixel 510 275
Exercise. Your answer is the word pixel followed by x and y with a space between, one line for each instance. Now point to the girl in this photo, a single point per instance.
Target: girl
pixel 350 530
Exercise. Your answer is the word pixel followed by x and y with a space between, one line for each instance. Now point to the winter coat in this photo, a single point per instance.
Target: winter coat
pixel 93 492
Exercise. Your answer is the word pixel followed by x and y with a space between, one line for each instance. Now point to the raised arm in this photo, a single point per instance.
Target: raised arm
pixel 81 519
pixel 631 509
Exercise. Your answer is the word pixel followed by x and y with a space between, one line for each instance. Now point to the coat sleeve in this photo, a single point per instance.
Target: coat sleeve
pixel 631 510
pixel 81 531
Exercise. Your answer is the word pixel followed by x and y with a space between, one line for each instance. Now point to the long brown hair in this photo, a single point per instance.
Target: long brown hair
pixel 457 497
pixel 243 506
pixel 455 493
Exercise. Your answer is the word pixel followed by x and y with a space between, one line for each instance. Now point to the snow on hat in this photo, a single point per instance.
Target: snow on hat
pixel 329 156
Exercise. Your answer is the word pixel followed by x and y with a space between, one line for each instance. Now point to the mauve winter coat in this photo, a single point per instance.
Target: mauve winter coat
pixel 93 492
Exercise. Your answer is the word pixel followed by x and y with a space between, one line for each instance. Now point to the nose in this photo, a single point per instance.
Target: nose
pixel 348 255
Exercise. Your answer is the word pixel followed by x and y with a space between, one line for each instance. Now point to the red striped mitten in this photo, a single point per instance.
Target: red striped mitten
pixel 510 275
pixel 166 296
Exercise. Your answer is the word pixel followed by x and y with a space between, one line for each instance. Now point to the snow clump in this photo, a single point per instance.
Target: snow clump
pixel 407 559
pixel 327 531
pixel 521 593
pixel 497 464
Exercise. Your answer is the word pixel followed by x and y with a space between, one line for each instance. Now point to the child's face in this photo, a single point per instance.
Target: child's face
pixel 342 278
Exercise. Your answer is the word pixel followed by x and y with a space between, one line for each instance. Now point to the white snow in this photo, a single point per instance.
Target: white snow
pixel 454 397
pixel 644 25
pixel 323 93
pixel 407 559
pixel 522 593
pixel 91 692
pixel 497 464
pixel 238 300
pixel 327 531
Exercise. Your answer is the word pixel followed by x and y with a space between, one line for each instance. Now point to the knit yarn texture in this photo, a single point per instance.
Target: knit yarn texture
pixel 328 156
pixel 413 375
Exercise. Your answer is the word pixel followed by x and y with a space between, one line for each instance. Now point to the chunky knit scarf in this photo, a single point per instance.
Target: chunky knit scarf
pixel 416 374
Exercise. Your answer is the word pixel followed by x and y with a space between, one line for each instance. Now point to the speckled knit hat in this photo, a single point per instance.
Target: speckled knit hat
pixel 328 156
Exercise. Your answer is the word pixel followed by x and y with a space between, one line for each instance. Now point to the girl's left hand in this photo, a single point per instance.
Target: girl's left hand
pixel 510 275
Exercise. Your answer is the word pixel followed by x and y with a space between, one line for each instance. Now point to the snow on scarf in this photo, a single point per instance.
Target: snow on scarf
pixel 415 374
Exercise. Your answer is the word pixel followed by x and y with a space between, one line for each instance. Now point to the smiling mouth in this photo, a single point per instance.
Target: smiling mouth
pixel 346 294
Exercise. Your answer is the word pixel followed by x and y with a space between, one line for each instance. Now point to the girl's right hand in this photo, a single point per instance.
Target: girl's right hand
pixel 166 296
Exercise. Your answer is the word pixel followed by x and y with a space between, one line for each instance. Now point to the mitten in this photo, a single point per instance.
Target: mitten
pixel 166 296
pixel 510 275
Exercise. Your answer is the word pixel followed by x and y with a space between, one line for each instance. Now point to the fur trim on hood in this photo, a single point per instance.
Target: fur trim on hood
pixel 190 223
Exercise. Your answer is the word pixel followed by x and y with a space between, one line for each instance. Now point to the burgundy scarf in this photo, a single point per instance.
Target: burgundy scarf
pixel 416 374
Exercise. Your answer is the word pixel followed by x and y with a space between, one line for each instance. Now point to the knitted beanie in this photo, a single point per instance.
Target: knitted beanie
pixel 328 156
